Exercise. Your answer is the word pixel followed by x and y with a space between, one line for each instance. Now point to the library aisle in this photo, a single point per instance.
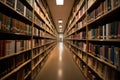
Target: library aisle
pixel 60 66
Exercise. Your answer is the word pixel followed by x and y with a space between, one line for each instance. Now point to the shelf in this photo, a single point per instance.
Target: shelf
pixel 75 14
pixel 40 5
pixel 107 15
pixel 103 61
pixel 100 60
pixel 83 15
pixel 39 27
pixel 15 36
pixel 43 45
pixel 88 65
pixel 96 73
pixel 15 70
pixel 38 63
pixel 11 11
pixel 27 17
pixel 14 54
pixel 27 4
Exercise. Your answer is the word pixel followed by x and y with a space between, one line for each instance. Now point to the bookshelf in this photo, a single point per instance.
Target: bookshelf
pixel 92 35
pixel 27 37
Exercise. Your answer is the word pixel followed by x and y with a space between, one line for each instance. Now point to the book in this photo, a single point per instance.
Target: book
pixel 20 7
pixel 106 53
pixel 112 54
pixel 119 30
pixel 19 74
pixel 116 3
pixel 19 59
pixel 108 5
pixel 11 3
pixel 117 56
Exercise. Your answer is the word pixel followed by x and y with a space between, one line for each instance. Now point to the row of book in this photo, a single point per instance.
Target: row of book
pixel 106 72
pixel 81 11
pixel 79 25
pixel 11 47
pixel 36 71
pixel 38 21
pixel 79 35
pixel 109 53
pixel 20 7
pixel 102 70
pixel 38 10
pixel 21 74
pixel 38 32
pixel 38 42
pixel 38 50
pixel 7 65
pixel 9 24
pixel 102 8
pixel 107 31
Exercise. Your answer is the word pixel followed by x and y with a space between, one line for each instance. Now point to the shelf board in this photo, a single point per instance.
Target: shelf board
pixel 37 63
pixel 15 36
pixel 14 54
pixel 27 75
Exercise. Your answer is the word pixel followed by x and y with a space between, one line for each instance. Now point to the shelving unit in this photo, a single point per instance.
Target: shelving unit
pixel 93 36
pixel 27 37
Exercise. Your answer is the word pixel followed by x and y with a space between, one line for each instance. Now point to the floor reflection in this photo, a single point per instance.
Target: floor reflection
pixel 60 69
pixel 60 51
pixel 60 72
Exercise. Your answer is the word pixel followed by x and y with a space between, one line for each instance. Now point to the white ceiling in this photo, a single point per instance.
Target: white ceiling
pixel 60 12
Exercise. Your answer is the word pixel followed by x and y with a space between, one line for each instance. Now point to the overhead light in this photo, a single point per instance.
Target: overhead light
pixel 59 2
pixel 60 21
pixel 60 26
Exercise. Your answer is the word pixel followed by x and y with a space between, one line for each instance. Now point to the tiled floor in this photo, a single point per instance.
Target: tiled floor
pixel 60 66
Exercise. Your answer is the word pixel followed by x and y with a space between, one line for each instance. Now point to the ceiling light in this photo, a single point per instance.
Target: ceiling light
pixel 59 2
pixel 60 21
pixel 60 26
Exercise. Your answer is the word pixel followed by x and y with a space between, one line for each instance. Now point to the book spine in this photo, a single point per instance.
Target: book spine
pixel 112 54
pixel 119 30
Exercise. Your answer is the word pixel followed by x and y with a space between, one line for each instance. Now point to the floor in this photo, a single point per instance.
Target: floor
pixel 60 66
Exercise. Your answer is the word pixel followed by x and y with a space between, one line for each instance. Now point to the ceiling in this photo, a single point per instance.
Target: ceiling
pixel 60 12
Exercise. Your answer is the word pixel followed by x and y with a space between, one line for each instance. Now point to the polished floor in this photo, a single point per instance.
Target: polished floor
pixel 60 66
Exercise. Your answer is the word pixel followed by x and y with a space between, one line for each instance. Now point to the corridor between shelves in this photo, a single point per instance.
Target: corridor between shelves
pixel 60 66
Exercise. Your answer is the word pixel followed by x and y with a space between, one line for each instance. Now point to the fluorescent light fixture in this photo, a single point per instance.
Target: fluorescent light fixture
pixel 59 2
pixel 60 26
pixel 60 21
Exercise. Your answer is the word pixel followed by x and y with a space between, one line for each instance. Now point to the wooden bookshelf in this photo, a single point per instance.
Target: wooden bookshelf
pixel 27 37
pixel 90 40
